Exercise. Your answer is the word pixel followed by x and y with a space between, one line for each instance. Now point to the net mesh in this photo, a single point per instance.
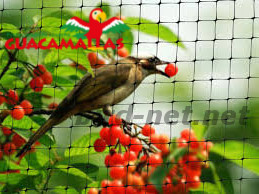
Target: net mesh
pixel 218 71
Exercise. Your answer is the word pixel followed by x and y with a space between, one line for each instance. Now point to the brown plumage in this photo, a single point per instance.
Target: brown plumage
pixel 110 85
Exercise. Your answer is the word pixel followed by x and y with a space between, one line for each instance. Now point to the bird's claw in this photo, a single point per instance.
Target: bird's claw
pixel 100 121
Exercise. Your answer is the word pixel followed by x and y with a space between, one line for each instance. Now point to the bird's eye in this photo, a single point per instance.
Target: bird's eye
pixel 154 59
pixel 95 13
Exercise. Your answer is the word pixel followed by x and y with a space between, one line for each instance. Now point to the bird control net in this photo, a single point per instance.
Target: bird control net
pixel 200 131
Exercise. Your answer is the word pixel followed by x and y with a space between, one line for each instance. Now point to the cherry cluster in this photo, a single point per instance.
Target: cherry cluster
pixel 41 77
pixel 145 150
pixel 18 111
pixel 10 142
pixel 96 61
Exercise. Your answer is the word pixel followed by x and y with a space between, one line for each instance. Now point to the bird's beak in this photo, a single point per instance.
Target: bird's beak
pixel 158 71
pixel 101 17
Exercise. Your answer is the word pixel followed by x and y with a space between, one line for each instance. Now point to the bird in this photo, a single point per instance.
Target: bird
pixel 110 84
pixel 96 26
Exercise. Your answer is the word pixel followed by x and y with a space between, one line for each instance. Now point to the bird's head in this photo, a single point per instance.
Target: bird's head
pixel 150 65
pixel 98 15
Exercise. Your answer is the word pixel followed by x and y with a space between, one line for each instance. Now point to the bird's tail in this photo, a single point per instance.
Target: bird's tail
pixel 37 135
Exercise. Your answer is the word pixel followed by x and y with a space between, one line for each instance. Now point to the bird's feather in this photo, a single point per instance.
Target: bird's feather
pixel 86 91
pixel 76 24
pixel 114 25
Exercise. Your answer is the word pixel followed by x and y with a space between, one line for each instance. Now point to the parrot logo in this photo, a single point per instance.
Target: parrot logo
pixel 96 26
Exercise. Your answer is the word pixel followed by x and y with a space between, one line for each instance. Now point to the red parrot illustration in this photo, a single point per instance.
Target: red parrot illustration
pixel 96 26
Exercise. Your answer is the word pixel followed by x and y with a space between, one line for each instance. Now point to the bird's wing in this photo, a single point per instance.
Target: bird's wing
pixel 114 25
pixel 106 79
pixel 76 24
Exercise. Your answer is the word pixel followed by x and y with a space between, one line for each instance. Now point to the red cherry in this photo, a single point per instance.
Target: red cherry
pixel 9 148
pixel 147 130
pixel 52 106
pixel 92 57
pixel 155 139
pixel 105 183
pixel 117 159
pixel 151 189
pixel 193 182
pixel 130 190
pixel 37 84
pixel 164 139
pixel 2 98
pixel 182 143
pixel 155 160
pixel 144 158
pixel 130 156
pixel 171 70
pixel 194 144
pixel 104 133
pixel 107 160
pixel 123 52
pixel 117 172
pixel 115 120
pixel 187 134
pixel 6 131
pixel 27 106
pixel 125 139
pixel 94 61
pixel 93 191
pixel 111 135
pixel 12 97
pixel 39 70
pixel 47 78
pixel 99 145
pixel 135 145
pixel 18 140
pixel 17 113
pixel 116 186
pixel 100 63
pixel 206 145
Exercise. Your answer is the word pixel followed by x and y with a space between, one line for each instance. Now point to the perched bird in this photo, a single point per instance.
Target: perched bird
pixel 96 26
pixel 111 84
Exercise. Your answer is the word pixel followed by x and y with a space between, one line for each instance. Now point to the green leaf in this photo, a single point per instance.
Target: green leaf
pixel 221 173
pixel 73 171
pixel 8 26
pixel 160 173
pixel 9 81
pixel 199 130
pixel 40 120
pixel 206 188
pixel 61 189
pixel 25 123
pixel 6 35
pixel 38 159
pixel 52 22
pixel 236 152
pixel 92 164
pixel 153 29
pixel 128 40
pixel 82 146
pixel 35 98
pixel 77 55
pixel 24 128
